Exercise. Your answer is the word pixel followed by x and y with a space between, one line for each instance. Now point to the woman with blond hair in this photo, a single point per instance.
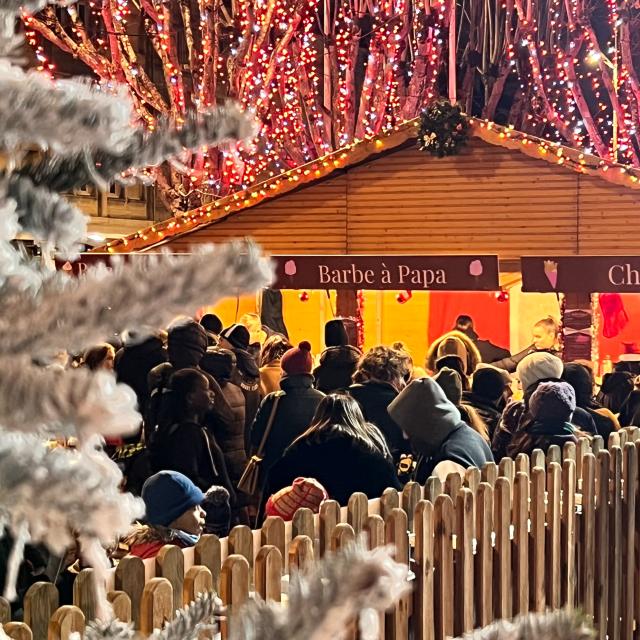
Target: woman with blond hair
pixel 270 372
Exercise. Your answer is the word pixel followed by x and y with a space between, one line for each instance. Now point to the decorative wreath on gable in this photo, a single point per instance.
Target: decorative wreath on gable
pixel 444 129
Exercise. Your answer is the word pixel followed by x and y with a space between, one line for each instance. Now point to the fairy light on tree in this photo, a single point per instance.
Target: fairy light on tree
pixel 321 74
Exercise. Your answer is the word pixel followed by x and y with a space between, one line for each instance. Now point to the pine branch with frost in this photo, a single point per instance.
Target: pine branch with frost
pixel 75 402
pixel 47 215
pixel 206 128
pixel 65 116
pixel 52 493
pixel 323 602
pixel 190 620
pixel 59 491
pixel 147 292
pixel 112 629
pixel 565 624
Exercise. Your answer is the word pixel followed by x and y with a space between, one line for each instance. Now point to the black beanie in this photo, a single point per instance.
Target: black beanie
pixel 211 323
pixel 218 362
pixel 489 382
pixel 187 343
pixel 335 334
pixel 237 335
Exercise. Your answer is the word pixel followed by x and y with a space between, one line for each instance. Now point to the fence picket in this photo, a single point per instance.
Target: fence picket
pixel 507 469
pixel 464 575
pixel 615 542
pixel 586 595
pixel 411 495
pixel 40 601
pixel 553 534
pixel 302 524
pixel 521 543
pixel 357 511
pixel 273 533
pixel 432 489
pixel 389 501
pixel 170 565
pixel 484 555
pixel 602 541
pixel 630 486
pixel 196 581
pixel 329 518
pixel 343 535
pixel 208 553
pixel 234 586
pixel 301 554
pixel 156 605
pixel 18 631
pixel 537 593
pixel 65 621
pixel 5 611
pixel 423 596
pixel 568 571
pixel 268 573
pixel 489 473
pixel 503 602
pixel 240 543
pixel 444 581
pixel 130 579
pixel 121 604
pixel 397 534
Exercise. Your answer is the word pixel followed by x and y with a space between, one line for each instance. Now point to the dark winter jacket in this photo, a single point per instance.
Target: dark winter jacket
pixel 336 368
pixel 486 409
pixel 190 448
pixel 510 363
pixel 133 363
pixel 295 411
pixel 340 464
pixel 374 398
pixel 463 446
pixel 516 415
pixel 541 435
pixel 230 436
pixel 489 352
pixel 246 375
pixel 630 410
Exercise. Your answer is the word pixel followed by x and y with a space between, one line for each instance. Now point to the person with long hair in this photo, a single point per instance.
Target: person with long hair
pixel 270 372
pixel 340 450
pixel 100 357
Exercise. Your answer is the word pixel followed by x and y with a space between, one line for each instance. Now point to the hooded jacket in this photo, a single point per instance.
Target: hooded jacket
pixel 336 368
pixel 473 355
pixel 436 430
pixel 246 375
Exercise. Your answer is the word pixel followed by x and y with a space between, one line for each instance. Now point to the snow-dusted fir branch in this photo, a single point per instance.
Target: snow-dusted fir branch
pixel 146 292
pixel 47 216
pixel 145 149
pixel 112 629
pixel 555 625
pixel 66 116
pixel 77 402
pixel 323 602
pixel 54 492
pixel 190 620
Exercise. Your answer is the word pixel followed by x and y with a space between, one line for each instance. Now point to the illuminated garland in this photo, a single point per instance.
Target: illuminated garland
pixel 359 151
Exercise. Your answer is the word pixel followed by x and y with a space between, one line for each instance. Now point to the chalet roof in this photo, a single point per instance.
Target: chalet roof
pixel 355 153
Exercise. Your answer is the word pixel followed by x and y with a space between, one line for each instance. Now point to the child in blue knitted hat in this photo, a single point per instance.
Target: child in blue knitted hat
pixel 173 515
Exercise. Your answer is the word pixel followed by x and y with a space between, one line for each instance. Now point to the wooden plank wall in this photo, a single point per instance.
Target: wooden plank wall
pixel 487 199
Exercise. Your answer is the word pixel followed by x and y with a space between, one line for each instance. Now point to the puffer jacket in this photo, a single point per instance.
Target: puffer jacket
pixel 230 436
pixel 336 368
pixel 246 375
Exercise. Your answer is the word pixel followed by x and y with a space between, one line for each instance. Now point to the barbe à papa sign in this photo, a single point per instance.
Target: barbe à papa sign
pixel 581 274
pixel 429 273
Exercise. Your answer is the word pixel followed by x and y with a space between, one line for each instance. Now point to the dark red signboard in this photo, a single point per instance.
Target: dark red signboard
pixel 581 274
pixel 429 273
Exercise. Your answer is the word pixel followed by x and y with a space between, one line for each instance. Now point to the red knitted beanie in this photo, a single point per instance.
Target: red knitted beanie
pixel 297 361
pixel 304 492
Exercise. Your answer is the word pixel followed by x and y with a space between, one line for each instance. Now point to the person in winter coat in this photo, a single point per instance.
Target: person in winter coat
pixel 173 515
pixel 456 351
pixel 296 407
pixel 270 372
pixel 186 445
pixel 545 339
pixel 581 379
pixel 451 383
pixel 535 368
pixel 220 363
pixel 246 374
pixel 186 345
pixel 213 326
pixel 338 361
pixel 551 408
pixel 615 390
pixel 101 357
pixel 134 361
pixel 490 389
pixel 377 381
pixel 630 410
pixel 340 450
pixel 489 352
pixel 436 431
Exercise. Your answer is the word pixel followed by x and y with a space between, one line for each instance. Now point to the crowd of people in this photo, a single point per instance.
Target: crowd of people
pixel 223 406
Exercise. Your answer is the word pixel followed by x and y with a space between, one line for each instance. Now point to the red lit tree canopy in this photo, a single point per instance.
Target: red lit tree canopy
pixel 322 73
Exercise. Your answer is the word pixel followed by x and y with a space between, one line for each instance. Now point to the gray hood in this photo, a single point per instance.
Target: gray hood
pixel 423 412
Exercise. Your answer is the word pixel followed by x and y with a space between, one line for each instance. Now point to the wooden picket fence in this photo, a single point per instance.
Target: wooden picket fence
pixel 529 534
